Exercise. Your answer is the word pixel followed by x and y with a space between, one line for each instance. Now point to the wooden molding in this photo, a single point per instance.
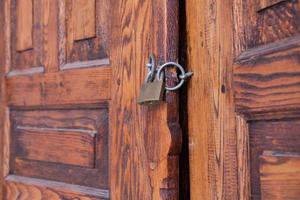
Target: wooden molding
pixel 242 131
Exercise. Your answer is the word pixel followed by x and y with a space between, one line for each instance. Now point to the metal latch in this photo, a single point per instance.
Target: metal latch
pixel 154 86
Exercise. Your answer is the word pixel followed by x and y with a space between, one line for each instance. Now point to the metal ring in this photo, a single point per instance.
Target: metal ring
pixel 159 71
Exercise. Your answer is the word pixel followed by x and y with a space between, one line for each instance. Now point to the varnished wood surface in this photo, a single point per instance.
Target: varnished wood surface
pixel 280 175
pixel 71 87
pixel 153 166
pixel 269 83
pixel 2 91
pixel 66 145
pixel 91 33
pixel 267 3
pixel 56 143
pixel 244 55
pixel 5 62
pixel 17 187
pixel 266 85
pixel 24 25
pixel 243 154
pixel 281 137
pixel 211 118
pixel 28 43
pixel 83 19
pixel 112 51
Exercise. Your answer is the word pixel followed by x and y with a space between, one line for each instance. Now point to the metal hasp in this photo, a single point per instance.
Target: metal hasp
pixel 183 75
pixel 153 88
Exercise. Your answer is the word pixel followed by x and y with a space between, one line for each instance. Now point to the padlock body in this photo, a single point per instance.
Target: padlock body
pixel 151 92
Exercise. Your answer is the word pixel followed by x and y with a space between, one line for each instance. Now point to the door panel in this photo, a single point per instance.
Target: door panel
pixel 280 175
pixel 244 99
pixel 266 83
pixel 71 127
pixel 55 143
pixel 274 158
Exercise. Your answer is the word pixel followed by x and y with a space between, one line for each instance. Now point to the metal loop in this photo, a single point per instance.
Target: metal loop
pixel 151 69
pixel 183 75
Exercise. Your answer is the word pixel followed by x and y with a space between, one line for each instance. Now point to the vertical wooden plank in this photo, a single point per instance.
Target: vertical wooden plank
pixel 141 28
pixel 50 35
pixel 24 24
pixel 5 61
pixel 130 33
pixel 280 176
pixel 243 153
pixel 211 125
pixel 2 67
pixel 163 144
pixel 84 19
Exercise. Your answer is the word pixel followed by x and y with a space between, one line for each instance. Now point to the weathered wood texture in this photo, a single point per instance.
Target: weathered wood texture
pixel 78 133
pixel 154 168
pixel 280 176
pixel 244 55
pixel 2 91
pixel 243 154
pixel 278 136
pixel 62 145
pixel 266 74
pixel 5 62
pixel 26 33
pixel 211 118
pixel 17 187
pixel 274 23
pixel 83 19
pixel 24 25
pixel 270 83
pixel 89 23
pixel 264 4
pixel 73 87
pixel 266 84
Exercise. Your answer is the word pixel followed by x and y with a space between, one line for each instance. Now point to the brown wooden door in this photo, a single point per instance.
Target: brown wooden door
pixel 244 99
pixel 70 77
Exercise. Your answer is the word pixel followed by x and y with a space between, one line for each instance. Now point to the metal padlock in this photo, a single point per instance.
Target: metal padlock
pixel 151 92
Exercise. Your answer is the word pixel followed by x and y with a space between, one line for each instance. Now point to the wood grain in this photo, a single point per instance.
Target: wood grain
pixel 258 26
pixel 211 124
pixel 31 54
pixel 268 83
pixel 69 145
pixel 2 88
pixel 280 175
pixel 77 144
pixel 5 62
pixel 151 22
pixel 83 19
pixel 129 162
pixel 84 30
pixel 50 34
pixel 263 4
pixel 278 22
pixel 17 187
pixel 243 149
pixel 163 159
pixel 129 170
pixel 89 86
pixel 24 25
pixel 279 136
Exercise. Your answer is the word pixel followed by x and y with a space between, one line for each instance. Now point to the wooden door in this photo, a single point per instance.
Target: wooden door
pixel 70 125
pixel 244 99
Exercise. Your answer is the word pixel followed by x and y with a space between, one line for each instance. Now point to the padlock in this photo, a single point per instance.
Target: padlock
pixel 151 92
